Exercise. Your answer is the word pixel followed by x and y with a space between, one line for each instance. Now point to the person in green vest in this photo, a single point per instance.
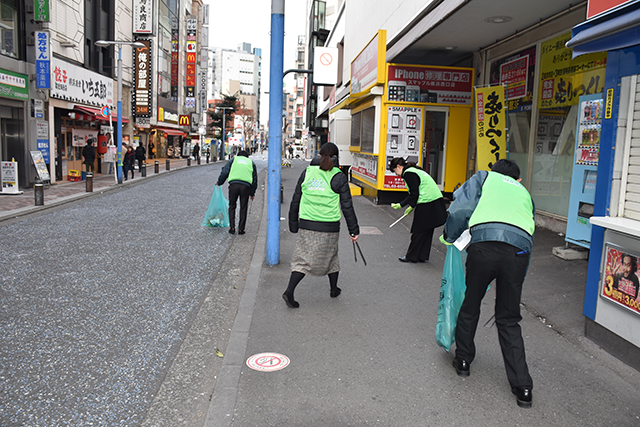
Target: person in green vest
pixel 321 194
pixel 427 204
pixel 243 181
pixel 499 213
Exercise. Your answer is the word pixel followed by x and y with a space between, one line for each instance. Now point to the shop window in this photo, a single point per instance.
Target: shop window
pixel 368 129
pixel 9 29
pixel 356 122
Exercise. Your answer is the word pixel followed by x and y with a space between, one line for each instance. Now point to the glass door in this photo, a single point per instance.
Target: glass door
pixel 434 144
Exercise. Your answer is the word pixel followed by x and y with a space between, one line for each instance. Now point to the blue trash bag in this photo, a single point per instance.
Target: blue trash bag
pixel 217 214
pixel 452 289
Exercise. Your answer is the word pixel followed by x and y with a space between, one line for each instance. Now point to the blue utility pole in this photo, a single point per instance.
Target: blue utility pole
pixel 275 132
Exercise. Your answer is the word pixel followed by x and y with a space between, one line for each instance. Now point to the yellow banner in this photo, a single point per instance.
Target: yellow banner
pixel 562 79
pixel 490 126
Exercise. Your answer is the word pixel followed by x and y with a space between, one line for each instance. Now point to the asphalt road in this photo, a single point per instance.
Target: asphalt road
pixel 97 298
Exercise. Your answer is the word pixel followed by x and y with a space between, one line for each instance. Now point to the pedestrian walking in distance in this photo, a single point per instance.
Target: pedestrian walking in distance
pixel 196 152
pixel 243 182
pixel 129 160
pixel 427 204
pixel 140 156
pixel 321 194
pixel 499 213
pixel 89 154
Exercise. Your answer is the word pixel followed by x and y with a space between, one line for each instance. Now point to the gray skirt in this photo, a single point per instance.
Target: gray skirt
pixel 316 253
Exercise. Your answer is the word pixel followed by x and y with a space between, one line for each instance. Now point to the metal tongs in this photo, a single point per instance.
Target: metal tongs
pixel 359 250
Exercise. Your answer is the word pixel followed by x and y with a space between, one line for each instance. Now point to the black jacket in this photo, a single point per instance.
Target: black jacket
pixel 339 185
pixel 140 154
pixel 89 154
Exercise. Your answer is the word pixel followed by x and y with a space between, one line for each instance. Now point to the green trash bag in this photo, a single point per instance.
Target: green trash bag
pixel 217 214
pixel 452 289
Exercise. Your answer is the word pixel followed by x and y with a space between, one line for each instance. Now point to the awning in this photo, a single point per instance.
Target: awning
pixel 97 115
pixel 171 131
pixel 617 29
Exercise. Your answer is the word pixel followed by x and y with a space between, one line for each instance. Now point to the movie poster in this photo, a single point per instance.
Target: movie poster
pixel 621 278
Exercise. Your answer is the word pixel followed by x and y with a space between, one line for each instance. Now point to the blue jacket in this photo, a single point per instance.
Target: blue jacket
pixel 465 201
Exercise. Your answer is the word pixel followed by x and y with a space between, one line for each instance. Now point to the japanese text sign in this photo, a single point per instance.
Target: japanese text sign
pixel 436 85
pixel 562 79
pixel 142 80
pixel 41 9
pixel 143 16
pixel 78 84
pixel 43 58
pixel 14 85
pixel 367 68
pixel 490 126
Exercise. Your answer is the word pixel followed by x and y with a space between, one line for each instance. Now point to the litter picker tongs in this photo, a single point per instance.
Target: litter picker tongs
pixel 359 250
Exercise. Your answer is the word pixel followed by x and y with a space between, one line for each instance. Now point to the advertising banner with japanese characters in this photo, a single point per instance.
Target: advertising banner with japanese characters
pixel 517 71
pixel 77 84
pixel 142 80
pixel 404 125
pixel 81 136
pixel 435 85
pixel 621 277
pixel 143 16
pixel 490 126
pixel 43 57
pixel 367 68
pixel 14 85
pixel 191 59
pixel 365 165
pixel 562 79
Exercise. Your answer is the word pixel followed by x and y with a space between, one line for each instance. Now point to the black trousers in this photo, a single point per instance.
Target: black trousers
pixel 487 261
pixel 243 191
pixel 420 246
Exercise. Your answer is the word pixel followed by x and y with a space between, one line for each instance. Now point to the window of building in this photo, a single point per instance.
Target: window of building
pixel 10 29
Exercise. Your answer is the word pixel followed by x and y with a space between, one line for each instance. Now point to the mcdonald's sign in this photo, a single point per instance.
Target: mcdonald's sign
pixel 185 120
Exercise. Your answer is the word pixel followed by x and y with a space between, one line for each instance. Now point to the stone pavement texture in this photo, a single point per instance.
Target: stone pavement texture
pixel 369 357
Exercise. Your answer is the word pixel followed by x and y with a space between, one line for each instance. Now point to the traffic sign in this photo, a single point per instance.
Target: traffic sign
pixel 105 111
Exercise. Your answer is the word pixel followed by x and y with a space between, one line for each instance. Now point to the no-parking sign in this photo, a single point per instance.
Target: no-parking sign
pixel 268 362
pixel 325 66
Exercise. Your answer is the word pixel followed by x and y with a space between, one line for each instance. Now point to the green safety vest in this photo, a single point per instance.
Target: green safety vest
pixel 241 170
pixel 319 202
pixel 428 190
pixel 517 211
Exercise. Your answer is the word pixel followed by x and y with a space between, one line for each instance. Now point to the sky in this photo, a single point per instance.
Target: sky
pixel 236 21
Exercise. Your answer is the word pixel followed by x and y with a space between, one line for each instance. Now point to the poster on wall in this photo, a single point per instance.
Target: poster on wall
pixel 621 277
pixel 490 125
pixel 509 71
pixel 366 166
pixel 562 79
pixel 404 125
pixel 81 136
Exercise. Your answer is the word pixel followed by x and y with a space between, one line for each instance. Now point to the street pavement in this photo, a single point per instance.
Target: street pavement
pixel 369 357
pixel 134 341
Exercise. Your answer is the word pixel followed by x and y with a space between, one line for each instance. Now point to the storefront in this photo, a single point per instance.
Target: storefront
pixel 612 297
pixel 14 95
pixel 417 112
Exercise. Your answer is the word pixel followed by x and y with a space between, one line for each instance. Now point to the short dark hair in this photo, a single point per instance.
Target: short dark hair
pixel 243 153
pixel 507 167
pixel 393 164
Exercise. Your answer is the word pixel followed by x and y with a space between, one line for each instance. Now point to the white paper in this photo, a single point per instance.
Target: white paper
pixel 463 240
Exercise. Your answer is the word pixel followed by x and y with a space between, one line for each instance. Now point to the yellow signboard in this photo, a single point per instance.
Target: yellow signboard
pixel 563 79
pixel 490 126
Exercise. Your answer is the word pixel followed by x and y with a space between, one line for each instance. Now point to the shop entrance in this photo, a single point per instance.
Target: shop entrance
pixel 434 144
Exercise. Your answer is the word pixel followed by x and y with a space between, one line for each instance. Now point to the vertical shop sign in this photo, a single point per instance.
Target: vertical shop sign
pixel 43 58
pixel 42 139
pixel 563 80
pixel 142 81
pixel 490 126
pixel 175 57
pixel 190 78
pixel 41 9
pixel 404 125
pixel 143 16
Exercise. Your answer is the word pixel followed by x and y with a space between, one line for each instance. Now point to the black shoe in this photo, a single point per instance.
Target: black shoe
pixel 335 292
pixel 524 396
pixel 241 232
pixel 232 231
pixel 291 303
pixel 423 260
pixel 404 259
pixel 462 367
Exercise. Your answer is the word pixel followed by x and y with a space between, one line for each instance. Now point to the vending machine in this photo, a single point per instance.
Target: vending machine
pixel 585 169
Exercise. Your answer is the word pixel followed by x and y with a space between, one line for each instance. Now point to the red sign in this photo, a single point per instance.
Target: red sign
pixel 620 280
pixel 514 75
pixel 597 7
pixel 185 120
pixel 436 85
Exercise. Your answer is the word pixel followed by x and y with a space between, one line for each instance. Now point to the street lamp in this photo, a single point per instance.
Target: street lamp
pixel 224 125
pixel 119 43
